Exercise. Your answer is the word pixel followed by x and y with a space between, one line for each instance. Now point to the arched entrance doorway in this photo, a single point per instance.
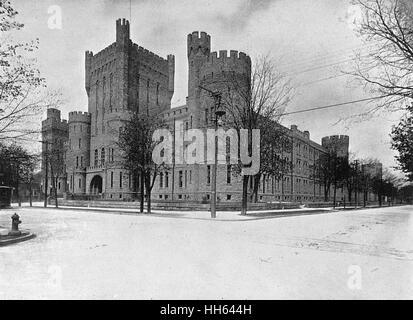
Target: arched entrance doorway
pixel 96 185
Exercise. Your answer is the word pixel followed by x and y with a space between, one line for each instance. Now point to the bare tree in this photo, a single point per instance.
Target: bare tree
pixel 20 82
pixel 136 145
pixel 54 159
pixel 386 28
pixel 256 100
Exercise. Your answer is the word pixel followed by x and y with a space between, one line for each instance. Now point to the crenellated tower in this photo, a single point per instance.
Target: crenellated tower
pixel 78 151
pixel 122 78
pixel 337 144
pixel 213 70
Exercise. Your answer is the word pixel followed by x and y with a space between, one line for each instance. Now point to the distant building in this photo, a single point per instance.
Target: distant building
pixel 124 77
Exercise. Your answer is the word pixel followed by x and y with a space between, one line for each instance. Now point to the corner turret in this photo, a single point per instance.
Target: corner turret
pixel 122 31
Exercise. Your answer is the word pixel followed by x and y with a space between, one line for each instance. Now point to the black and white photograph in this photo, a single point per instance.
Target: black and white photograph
pixel 206 150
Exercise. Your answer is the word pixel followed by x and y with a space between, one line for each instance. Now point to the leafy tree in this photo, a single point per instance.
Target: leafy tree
pixel 332 171
pixel 402 141
pixel 405 193
pixel 20 165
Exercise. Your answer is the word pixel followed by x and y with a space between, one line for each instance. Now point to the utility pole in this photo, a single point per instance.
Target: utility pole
pixel 217 96
pixel 46 179
pixel 365 192
pixel 356 164
pixel 46 173
pixel 381 186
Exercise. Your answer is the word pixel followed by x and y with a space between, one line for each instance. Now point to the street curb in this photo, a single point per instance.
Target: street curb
pixel 23 237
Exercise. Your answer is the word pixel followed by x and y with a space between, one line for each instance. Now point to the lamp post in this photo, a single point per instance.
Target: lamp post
pixel 46 177
pixel 219 113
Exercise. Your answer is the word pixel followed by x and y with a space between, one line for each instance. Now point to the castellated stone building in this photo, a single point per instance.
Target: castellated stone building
pixel 125 77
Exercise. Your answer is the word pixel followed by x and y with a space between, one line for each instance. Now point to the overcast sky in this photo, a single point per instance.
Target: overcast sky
pixel 312 40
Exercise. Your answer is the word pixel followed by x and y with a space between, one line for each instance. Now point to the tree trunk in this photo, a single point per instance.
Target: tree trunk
pixel 350 193
pixel 30 193
pixel 17 191
pixel 244 195
pixel 55 193
pixel 257 178
pixel 364 198
pixel 148 193
pixel 142 191
pixel 326 192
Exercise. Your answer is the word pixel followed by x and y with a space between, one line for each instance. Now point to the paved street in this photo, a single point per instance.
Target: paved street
pixel 81 254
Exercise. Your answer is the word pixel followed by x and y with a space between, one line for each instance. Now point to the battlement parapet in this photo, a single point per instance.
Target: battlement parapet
pixel 150 57
pixel 53 123
pixel 224 61
pixel 337 143
pixel 198 41
pixel 79 116
pixel 122 31
pixel 53 113
pixel 103 54
pixel 335 139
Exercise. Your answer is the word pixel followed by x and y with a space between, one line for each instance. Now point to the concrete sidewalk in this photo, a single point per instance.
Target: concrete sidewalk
pixel 203 215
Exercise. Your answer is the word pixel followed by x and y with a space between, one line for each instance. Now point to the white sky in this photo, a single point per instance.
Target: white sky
pixel 305 36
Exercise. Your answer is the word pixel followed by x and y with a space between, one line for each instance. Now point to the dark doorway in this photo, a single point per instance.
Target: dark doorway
pixel 96 185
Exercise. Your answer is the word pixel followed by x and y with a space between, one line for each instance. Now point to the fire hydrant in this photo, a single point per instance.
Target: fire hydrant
pixel 15 221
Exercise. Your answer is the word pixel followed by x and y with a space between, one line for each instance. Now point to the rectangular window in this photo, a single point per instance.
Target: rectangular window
pixel 77 162
pixel 166 179
pixel 138 83
pixel 186 178
pixel 161 180
pixel 206 116
pixel 263 183
pixel 111 179
pixel 81 161
pixel 80 183
pixel 80 143
pixel 120 179
pixel 180 181
pixel 147 92
pixel 157 94
pixel 208 174
pixel 228 174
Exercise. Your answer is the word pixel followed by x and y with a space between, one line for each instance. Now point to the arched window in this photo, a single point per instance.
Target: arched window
pixel 102 157
pixel 96 157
